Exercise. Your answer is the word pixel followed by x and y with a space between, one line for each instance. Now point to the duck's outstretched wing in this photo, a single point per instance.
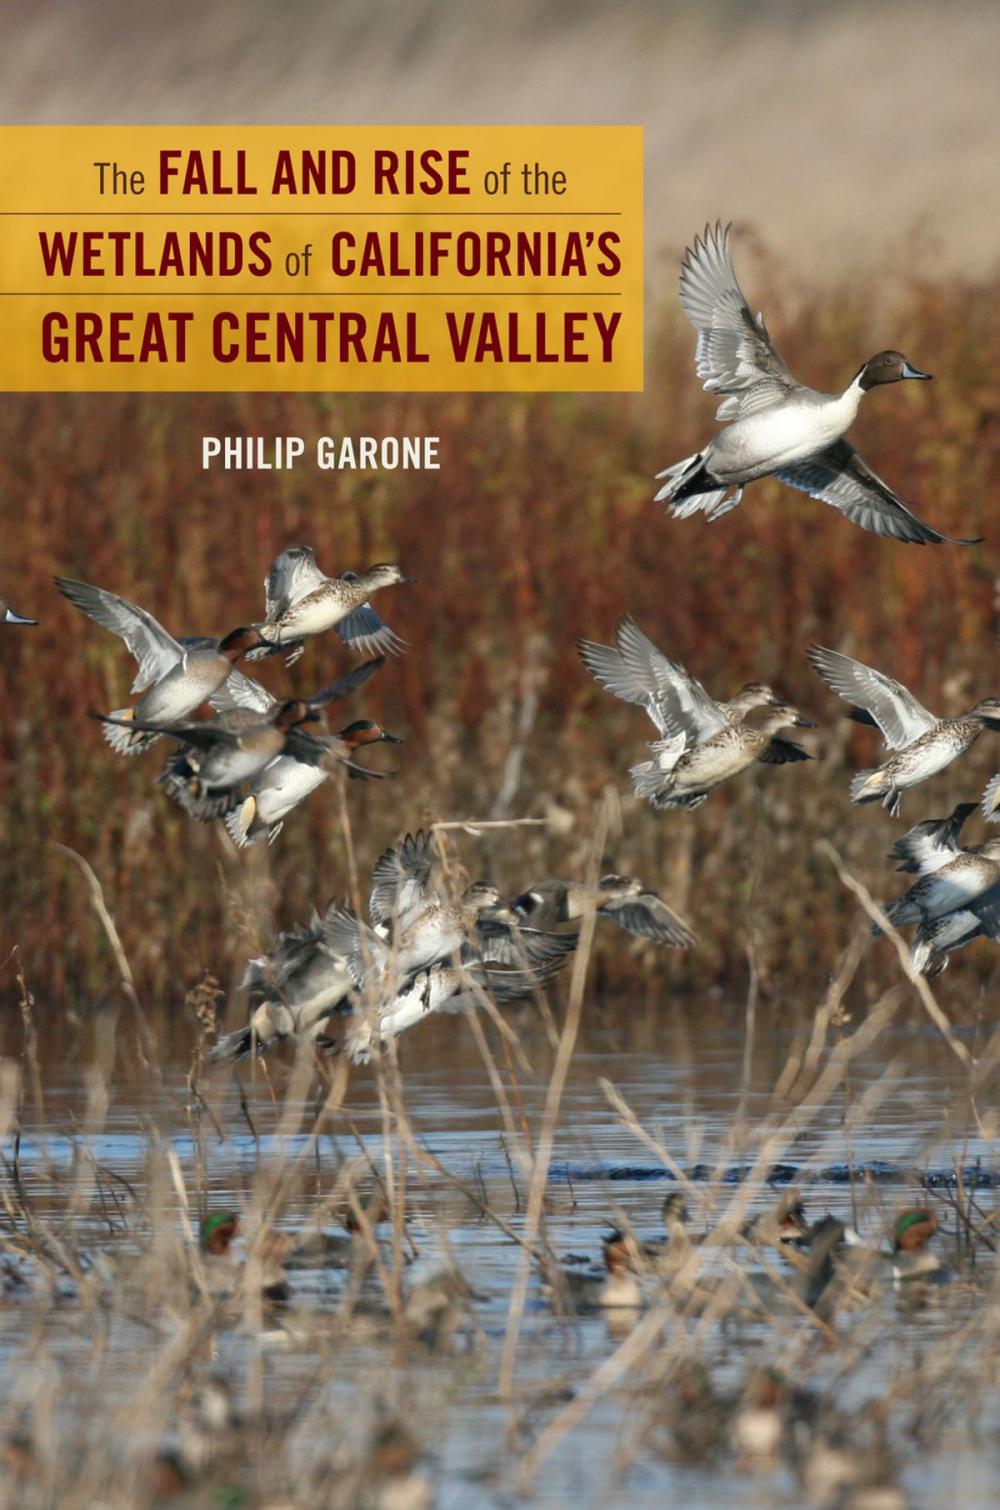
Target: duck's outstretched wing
pixel 335 691
pixel 293 575
pixel 292 949
pixel 502 944
pixel 684 703
pixel 401 877
pixel 840 477
pixel 782 751
pixel 734 354
pixel 205 734
pixel 648 916
pixel 631 678
pixel 367 632
pixel 930 844
pixel 637 671
pixel 239 691
pixel 352 941
pixel 155 650
pixel 894 709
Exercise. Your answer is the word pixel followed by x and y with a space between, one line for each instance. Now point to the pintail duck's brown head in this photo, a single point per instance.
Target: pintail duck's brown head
pixel 617 1253
pixel 888 367
pixel 791 1217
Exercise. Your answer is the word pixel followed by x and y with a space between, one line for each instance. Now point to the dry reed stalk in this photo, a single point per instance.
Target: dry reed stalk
pixel 147 1040
pixel 918 982
pixel 543 1152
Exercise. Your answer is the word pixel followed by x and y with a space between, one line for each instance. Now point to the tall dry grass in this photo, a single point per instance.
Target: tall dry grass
pixel 538 528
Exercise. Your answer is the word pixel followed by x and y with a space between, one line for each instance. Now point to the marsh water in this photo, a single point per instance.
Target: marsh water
pixel 903 1117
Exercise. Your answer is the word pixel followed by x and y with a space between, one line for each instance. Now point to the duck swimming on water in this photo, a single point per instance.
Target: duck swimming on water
pixel 778 427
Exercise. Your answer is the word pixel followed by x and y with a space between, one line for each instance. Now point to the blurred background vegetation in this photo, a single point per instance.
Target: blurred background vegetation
pixel 855 146
pixel 539 528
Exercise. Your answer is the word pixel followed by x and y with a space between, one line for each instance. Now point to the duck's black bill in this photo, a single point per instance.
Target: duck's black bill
pixel 390 739
pixel 914 372
pixel 804 723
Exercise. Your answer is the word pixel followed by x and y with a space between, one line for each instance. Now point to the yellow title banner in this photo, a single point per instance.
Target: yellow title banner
pixel 250 258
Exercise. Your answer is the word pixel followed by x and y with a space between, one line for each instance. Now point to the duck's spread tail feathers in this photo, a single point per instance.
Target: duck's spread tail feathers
pixel 240 823
pixel 125 741
pixel 650 776
pixel 647 779
pixel 691 489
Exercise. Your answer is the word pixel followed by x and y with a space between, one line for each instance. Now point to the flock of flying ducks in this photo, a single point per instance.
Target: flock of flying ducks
pixel 425 948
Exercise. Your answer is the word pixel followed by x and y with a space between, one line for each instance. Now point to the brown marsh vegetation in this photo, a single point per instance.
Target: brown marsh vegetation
pixel 826 1064
pixel 538 528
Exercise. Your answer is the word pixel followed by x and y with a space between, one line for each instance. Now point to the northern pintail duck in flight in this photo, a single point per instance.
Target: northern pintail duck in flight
pixel 923 743
pixel 702 742
pixel 300 601
pixel 924 850
pixel 8 616
pixel 778 427
pixel 953 880
pixel 621 899
pixel 286 782
pixel 175 676
pixel 294 990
